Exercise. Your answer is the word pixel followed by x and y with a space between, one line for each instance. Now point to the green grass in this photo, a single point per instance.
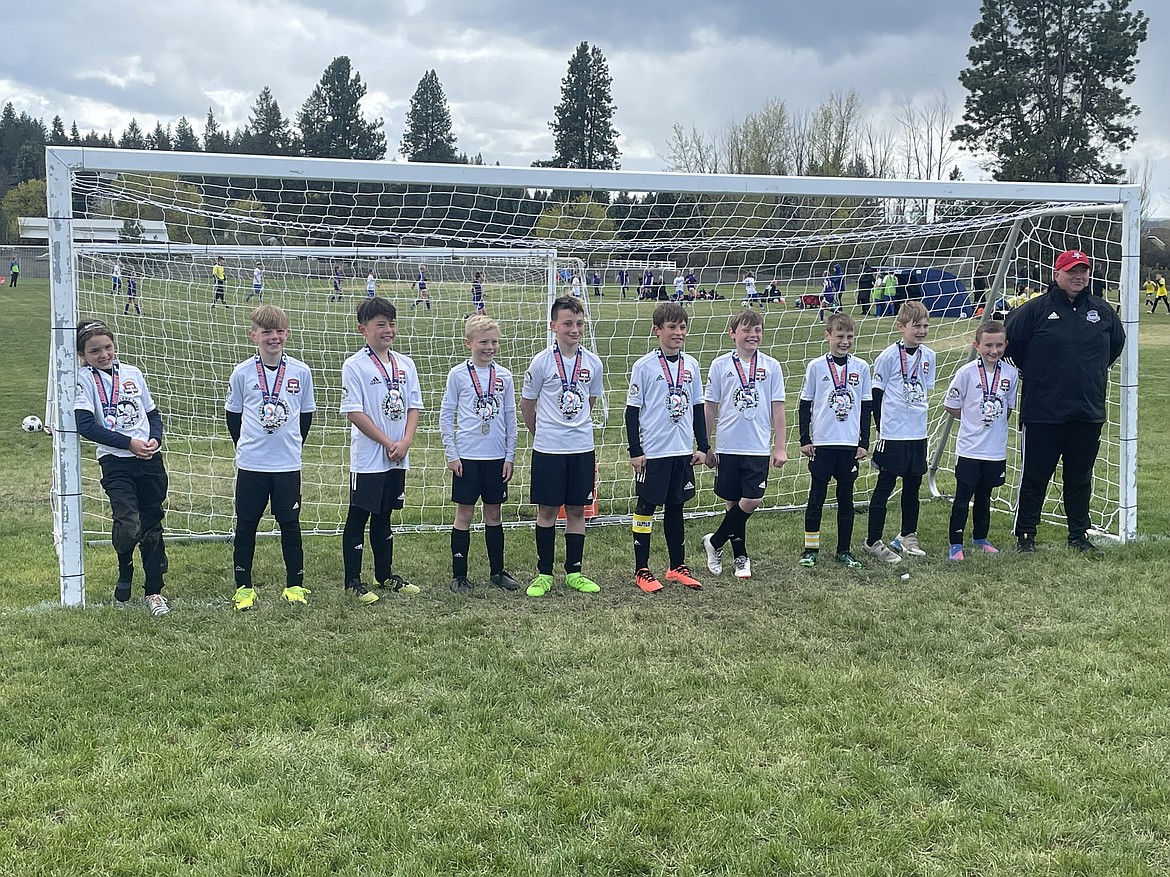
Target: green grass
pixel 1005 716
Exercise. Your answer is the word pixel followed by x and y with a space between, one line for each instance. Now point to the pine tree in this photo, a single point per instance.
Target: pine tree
pixel 428 134
pixel 185 137
pixel 1045 85
pixel 160 138
pixel 268 131
pixel 57 135
pixel 583 132
pixel 215 139
pixel 331 123
pixel 132 137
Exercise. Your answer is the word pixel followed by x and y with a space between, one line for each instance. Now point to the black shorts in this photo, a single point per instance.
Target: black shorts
pixel 378 492
pixel 666 481
pixel 902 457
pixel 563 479
pixel 255 489
pixel 834 462
pixel 980 474
pixel 741 476
pixel 481 479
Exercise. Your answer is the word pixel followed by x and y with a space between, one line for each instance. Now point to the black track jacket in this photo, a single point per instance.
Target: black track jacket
pixel 1064 350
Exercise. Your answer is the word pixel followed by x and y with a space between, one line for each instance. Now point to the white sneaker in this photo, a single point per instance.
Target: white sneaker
pixel 743 568
pixel 882 552
pixel 714 556
pixel 157 604
pixel 908 544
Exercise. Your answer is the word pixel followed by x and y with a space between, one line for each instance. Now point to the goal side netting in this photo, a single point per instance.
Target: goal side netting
pixel 321 232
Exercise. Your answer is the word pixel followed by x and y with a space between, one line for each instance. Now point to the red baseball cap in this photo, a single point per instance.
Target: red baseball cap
pixel 1069 258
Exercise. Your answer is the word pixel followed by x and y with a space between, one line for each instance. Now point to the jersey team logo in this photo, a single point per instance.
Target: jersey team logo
pixel 128 415
pixel 293 386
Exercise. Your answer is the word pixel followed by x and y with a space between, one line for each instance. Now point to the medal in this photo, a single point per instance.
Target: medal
pixel 572 401
pixel 109 403
pixel 485 403
pixel 677 399
pixel 747 398
pixel 392 405
pixel 912 389
pixel 841 400
pixel 991 406
pixel 485 427
pixel 273 412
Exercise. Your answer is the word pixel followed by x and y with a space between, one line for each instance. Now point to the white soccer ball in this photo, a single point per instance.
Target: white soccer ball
pixel 32 423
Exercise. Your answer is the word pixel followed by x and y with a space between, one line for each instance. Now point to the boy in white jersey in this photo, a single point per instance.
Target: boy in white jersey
pixel 116 279
pixel 561 386
pixel 664 425
pixel 835 402
pixel 477 421
pixel 371 284
pixel 744 411
pixel 902 375
pixel 381 398
pixel 750 295
pixel 257 284
pixel 115 410
pixel 982 396
pixel 269 410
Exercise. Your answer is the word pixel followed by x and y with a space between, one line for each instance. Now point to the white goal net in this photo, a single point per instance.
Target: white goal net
pixel 318 230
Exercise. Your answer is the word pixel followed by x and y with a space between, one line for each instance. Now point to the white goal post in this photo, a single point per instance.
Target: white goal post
pixel 317 229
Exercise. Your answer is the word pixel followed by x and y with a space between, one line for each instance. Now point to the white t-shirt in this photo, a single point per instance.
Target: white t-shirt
pixel 270 430
pixel 464 412
pixel 666 424
pixel 836 402
pixel 904 386
pixel 128 409
pixel 117 275
pixel 371 284
pixel 563 422
pixel 576 287
pixel 257 278
pixel 749 285
pixel 364 388
pixel 983 421
pixel 737 431
pixel 679 284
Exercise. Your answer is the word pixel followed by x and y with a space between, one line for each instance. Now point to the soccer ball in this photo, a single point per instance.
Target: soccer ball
pixel 32 423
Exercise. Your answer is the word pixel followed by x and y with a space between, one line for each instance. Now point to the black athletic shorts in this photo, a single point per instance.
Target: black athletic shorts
pixel 563 479
pixel 666 481
pixel 378 492
pixel 741 476
pixel 255 489
pixel 834 462
pixel 980 474
pixel 901 456
pixel 481 479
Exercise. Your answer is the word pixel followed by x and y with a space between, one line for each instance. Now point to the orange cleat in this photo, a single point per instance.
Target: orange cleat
pixel 645 580
pixel 682 575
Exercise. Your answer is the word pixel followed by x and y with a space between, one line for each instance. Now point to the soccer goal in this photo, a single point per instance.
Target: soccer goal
pixel 320 231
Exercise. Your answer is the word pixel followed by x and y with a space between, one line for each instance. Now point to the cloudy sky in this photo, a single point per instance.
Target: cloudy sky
pixel 702 64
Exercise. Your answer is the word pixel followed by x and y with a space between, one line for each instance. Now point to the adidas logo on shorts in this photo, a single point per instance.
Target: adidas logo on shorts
pixel 689 485
pixel 763 485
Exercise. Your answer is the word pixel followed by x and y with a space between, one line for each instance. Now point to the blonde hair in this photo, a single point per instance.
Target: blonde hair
pixel 269 317
pixel 477 324
pixel 911 312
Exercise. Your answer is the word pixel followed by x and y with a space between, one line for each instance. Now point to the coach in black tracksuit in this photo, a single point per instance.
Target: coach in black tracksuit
pixel 1063 344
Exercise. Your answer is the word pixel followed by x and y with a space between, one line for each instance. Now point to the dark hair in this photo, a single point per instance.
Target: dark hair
pixel 90 328
pixel 669 312
pixel 991 327
pixel 375 307
pixel 565 303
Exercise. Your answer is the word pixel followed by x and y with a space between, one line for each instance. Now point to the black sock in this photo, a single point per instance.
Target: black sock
pixel 382 541
pixel 672 529
pixel 292 549
pixel 460 545
pixel 353 543
pixel 493 537
pixel 243 552
pixel 545 549
pixel 574 551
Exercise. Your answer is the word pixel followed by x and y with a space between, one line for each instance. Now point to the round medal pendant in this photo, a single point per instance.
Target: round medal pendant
pixel 111 421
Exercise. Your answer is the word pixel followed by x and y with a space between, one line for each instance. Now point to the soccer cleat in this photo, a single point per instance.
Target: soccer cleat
pixel 296 594
pixel 122 592
pixel 364 595
pixel 985 546
pixel 646 581
pixel 1026 544
pixel 882 552
pixel 714 556
pixel 808 557
pixel 847 560
pixel 907 543
pixel 578 582
pixel 955 552
pixel 157 604
pixel 540 585
pixel 743 567
pixel 501 579
pixel 1084 546
pixel 399 585
pixel 243 599
pixel 460 585
pixel 682 575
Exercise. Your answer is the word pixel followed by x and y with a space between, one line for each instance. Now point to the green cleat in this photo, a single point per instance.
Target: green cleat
pixel 296 594
pixel 808 558
pixel 243 599
pixel 578 582
pixel 848 561
pixel 540 586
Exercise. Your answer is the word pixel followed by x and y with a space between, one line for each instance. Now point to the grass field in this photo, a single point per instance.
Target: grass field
pixel 1004 716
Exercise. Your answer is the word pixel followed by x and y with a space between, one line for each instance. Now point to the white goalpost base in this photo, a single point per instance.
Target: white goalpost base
pixel 522 227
